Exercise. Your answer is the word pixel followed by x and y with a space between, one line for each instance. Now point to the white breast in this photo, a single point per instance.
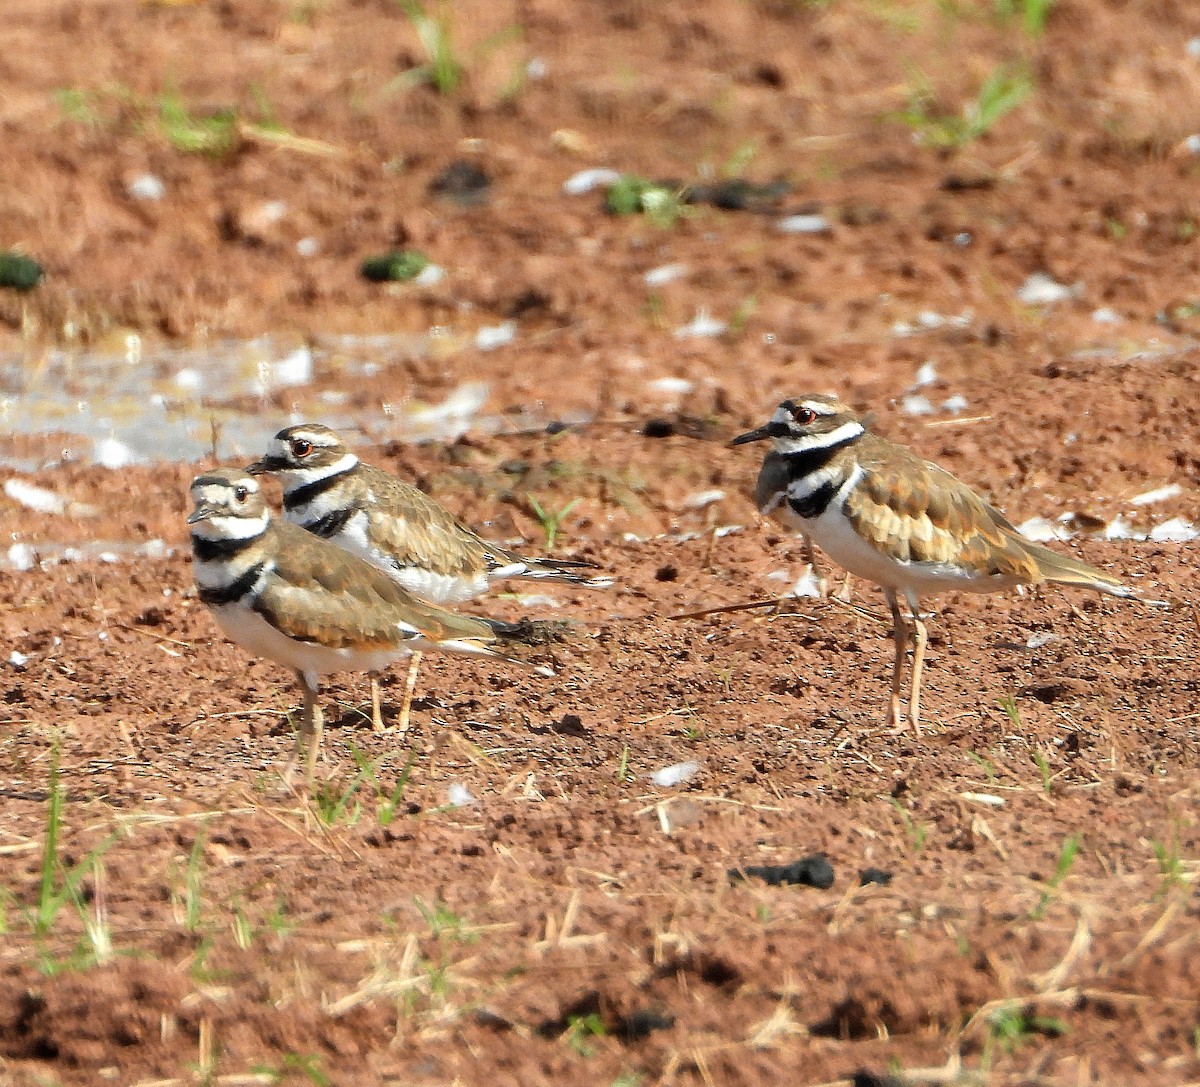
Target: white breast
pixel 833 533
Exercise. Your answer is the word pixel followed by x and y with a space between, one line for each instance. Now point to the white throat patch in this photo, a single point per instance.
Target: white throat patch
pixel 231 528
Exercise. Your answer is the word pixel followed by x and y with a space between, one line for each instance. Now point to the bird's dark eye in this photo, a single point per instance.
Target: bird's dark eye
pixel 301 447
pixel 804 415
pixel 241 493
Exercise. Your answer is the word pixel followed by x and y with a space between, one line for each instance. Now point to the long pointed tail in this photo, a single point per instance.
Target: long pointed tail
pixel 1065 570
pixel 560 570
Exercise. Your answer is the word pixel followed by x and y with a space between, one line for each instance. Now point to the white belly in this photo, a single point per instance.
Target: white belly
pixel 833 534
pixel 355 538
pixel 251 631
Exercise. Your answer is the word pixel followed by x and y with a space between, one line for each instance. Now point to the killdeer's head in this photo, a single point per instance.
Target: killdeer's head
pixel 807 423
pixel 304 453
pixel 229 506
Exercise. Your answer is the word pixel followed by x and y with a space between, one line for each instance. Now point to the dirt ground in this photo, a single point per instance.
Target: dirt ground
pixel 201 920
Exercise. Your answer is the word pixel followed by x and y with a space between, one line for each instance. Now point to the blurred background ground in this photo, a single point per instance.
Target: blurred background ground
pixel 977 219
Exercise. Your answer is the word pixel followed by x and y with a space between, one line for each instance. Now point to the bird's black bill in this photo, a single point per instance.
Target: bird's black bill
pixel 200 513
pixel 762 433
pixel 267 464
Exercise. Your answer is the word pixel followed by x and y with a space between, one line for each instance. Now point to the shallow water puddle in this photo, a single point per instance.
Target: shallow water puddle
pixel 134 404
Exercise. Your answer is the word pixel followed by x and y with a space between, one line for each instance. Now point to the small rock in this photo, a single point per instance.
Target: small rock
pixel 664 274
pixel 588 180
pixel 926 375
pixel 675 774
pixel 430 276
pixel 1159 494
pixel 33 497
pixel 916 405
pixel 146 187
pixel 1176 530
pixel 22 557
pixel 1041 289
pixel 700 499
pixel 459 796
pixel 804 224
pixel 701 326
pixel 113 453
pixel 493 336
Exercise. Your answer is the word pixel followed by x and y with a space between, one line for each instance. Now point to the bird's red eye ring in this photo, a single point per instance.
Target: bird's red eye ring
pixel 301 447
pixel 804 415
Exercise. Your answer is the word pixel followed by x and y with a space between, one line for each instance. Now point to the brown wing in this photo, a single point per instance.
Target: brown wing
pixel 917 512
pixel 417 531
pixel 327 595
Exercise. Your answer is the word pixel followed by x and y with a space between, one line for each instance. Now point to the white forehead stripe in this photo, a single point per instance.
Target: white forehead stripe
pixel 845 433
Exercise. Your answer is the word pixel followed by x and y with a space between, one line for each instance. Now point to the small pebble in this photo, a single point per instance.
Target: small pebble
pixel 112 453
pixel 804 224
pixel 916 405
pixel 459 796
pixel 1176 530
pixel 147 187
pixel 664 274
pixel 1159 494
pixel 1043 290
pixel 587 181
pixel 702 325
pixel 493 336
pixel 675 774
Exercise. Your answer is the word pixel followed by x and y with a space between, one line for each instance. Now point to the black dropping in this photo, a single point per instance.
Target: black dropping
pixel 569 725
pixel 863 1078
pixel 462 183
pixel 658 428
pixel 644 1021
pixel 811 871
pixel 874 875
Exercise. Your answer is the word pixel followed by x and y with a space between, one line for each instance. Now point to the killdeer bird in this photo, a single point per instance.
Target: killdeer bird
pixel 293 598
pixel 883 513
pixel 331 493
